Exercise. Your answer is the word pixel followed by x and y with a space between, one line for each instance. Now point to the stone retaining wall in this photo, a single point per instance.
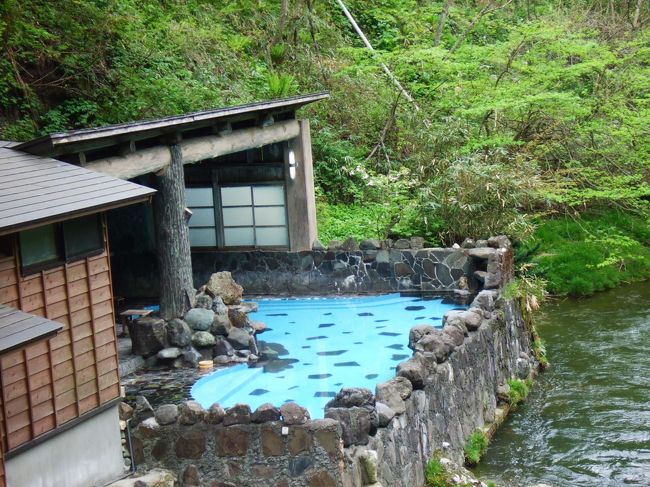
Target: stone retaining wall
pixel 371 267
pixel 450 387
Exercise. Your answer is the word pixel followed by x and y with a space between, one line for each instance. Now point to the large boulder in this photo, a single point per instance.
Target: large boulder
pixel 356 424
pixel 222 347
pixel 414 370
pixel 238 338
pixel 218 306
pixel 149 335
pixel 203 300
pixel 440 344
pixel 223 285
pixel 352 396
pixel 179 333
pixel 221 325
pixel 238 317
pixel 293 413
pixel 418 331
pixel 199 319
pixel 203 339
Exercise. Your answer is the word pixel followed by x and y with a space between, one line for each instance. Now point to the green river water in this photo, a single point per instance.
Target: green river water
pixel 587 419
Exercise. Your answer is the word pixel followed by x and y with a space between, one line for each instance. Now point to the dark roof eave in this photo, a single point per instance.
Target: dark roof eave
pixel 53 144
pixel 26 225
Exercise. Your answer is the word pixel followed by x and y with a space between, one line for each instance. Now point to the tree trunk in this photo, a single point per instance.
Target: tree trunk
pixel 637 14
pixel 173 239
pixel 441 22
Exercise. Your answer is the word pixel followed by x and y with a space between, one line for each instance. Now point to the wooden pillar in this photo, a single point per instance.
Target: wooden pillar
pixel 173 239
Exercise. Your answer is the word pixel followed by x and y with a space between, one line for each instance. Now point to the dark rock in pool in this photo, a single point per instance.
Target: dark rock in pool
pixel 420 317
pixel 365 314
pixel 258 392
pixel 380 321
pixel 278 365
pixel 413 308
pixel 347 364
pixel 347 332
pixel 306 364
pixel 279 348
pixel 325 394
pixel 399 357
pixel 372 376
pixel 380 327
pixel 277 314
pixel 390 334
pixel 326 325
pixel 287 333
pixel 339 384
pixel 435 318
pixel 317 338
pixel 331 353
pixel 319 376
pixel 306 346
pixel 396 346
pixel 291 388
pixel 358 343
pixel 327 314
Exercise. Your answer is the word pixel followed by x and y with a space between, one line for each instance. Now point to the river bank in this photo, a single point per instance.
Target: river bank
pixel 587 420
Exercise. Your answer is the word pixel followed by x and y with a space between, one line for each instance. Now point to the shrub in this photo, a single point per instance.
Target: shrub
pixel 519 390
pixel 476 447
pixel 435 473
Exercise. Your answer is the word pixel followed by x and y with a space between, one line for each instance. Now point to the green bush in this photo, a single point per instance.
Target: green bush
pixel 519 390
pixel 476 447
pixel 435 474
pixel 580 256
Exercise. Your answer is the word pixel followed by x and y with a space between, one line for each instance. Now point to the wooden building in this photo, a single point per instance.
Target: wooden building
pixel 245 174
pixel 59 376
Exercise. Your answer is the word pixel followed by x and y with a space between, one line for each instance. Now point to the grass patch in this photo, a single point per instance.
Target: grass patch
pixel 519 390
pixel 581 256
pixel 476 447
pixel 435 474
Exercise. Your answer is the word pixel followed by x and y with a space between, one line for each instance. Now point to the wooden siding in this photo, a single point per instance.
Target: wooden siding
pixel 49 383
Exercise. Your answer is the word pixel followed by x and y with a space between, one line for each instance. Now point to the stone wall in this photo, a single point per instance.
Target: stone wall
pixel 450 387
pixel 370 267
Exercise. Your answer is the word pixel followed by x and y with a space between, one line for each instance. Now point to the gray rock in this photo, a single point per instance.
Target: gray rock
pixel 269 354
pixel 190 412
pixel 191 358
pixel 238 414
pixel 468 243
pixel 370 244
pixel 222 347
pixel 179 333
pixel 203 300
pixel 523 368
pixel 356 424
pixel 203 339
pixel 143 409
pixel 258 327
pixel 265 413
pixel 166 414
pixel 402 244
pixel 215 414
pixel 334 245
pixel 481 243
pixel 417 243
pixel 455 334
pixel 221 325
pixel 482 253
pixel 439 344
pixel 248 306
pixel 252 345
pixel 384 413
pixel 388 393
pixel 218 306
pixel 238 338
pixel 480 276
pixel 499 242
pixel 413 369
pixel 292 414
pixel 125 411
pixel 199 319
pixel 223 359
pixel 418 331
pixel 318 245
pixel 350 245
pixel 169 353
pixel 223 285
pixel 352 396
pixel 148 336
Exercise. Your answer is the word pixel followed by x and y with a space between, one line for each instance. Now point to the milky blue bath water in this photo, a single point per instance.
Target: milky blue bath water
pixel 324 344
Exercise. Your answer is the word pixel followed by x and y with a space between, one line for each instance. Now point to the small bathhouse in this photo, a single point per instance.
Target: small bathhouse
pixel 58 355
pixel 241 177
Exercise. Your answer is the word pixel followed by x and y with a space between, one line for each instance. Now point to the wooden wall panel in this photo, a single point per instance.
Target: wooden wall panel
pixel 49 383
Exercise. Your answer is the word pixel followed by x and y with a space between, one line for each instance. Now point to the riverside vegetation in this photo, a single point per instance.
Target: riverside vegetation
pixel 533 116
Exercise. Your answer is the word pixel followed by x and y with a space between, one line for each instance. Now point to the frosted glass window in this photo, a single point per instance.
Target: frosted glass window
pixel 236 196
pixel 272 236
pixel 39 245
pixel 203 237
pixel 202 217
pixel 270 215
pixel 239 236
pixel 237 217
pixel 268 195
pixel 199 197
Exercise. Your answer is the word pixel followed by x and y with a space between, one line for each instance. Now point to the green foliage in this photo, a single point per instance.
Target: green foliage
pixel 519 390
pixel 579 256
pixel 342 221
pixel 475 448
pixel 435 474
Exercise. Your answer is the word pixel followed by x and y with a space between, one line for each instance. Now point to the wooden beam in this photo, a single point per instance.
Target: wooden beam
pixel 194 150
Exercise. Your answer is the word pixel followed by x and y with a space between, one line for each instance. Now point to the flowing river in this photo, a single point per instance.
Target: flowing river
pixel 587 419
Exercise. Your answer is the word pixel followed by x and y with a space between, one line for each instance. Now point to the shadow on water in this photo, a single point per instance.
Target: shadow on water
pixel 587 420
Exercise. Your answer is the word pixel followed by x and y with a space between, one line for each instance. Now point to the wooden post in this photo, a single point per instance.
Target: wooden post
pixel 173 239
